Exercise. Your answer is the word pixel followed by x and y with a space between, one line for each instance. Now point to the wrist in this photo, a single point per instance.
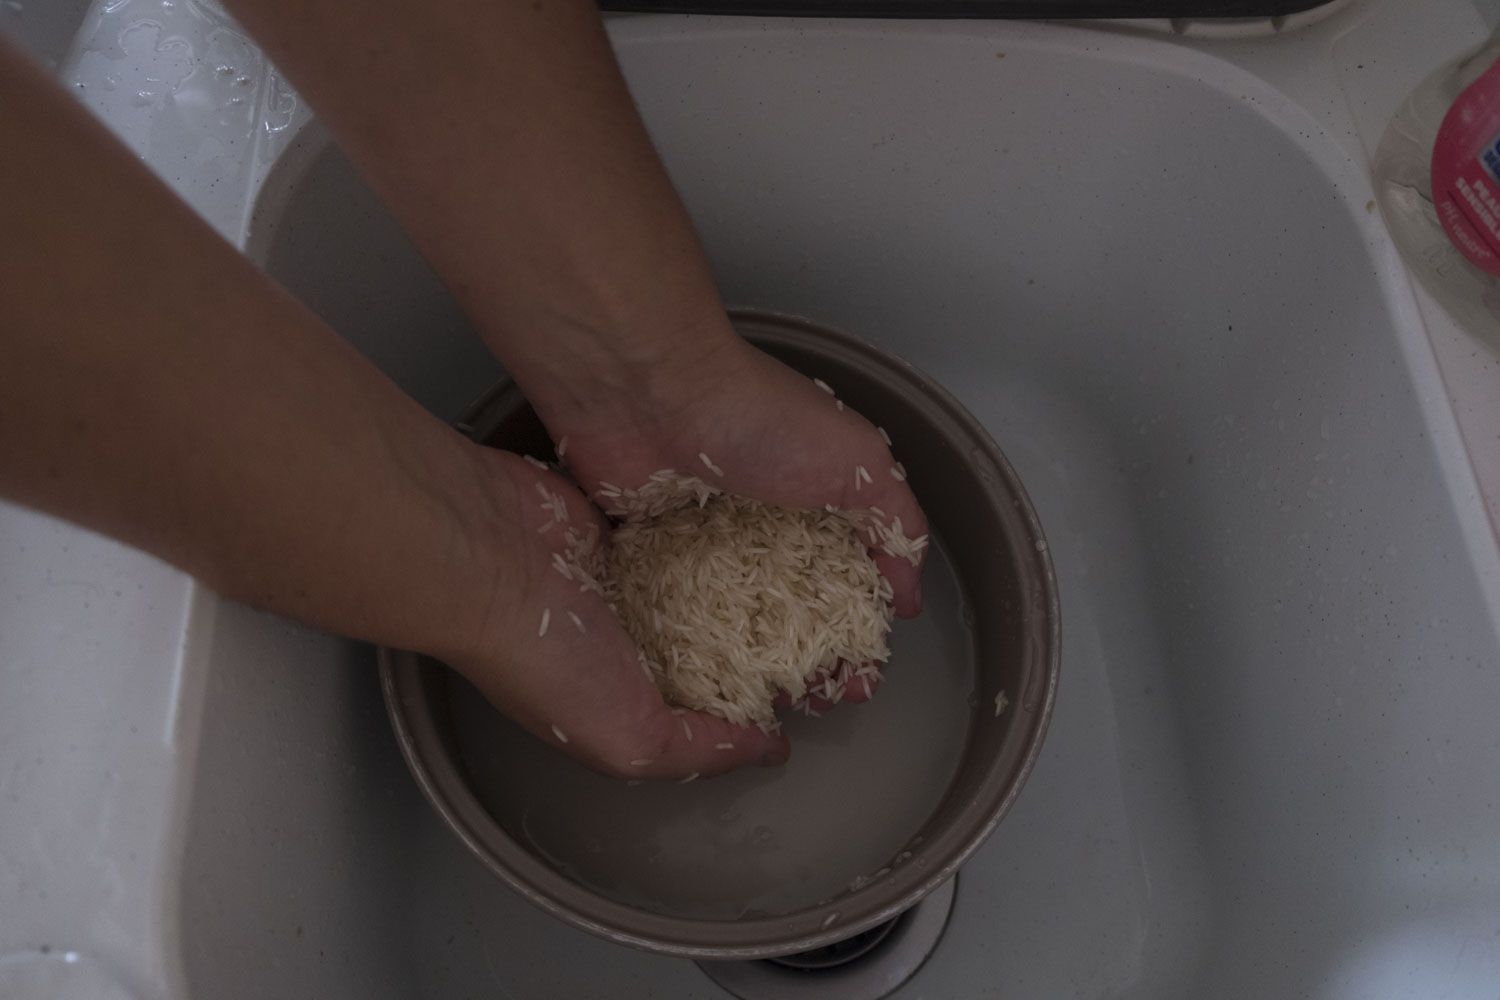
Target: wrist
pixel 590 375
pixel 484 554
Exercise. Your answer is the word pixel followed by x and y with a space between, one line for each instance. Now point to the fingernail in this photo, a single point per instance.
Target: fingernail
pixel 774 758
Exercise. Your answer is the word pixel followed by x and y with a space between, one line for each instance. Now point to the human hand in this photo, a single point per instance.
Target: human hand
pixel 766 431
pixel 551 655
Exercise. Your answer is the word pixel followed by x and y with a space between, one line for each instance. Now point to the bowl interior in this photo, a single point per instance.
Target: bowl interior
pixel 762 862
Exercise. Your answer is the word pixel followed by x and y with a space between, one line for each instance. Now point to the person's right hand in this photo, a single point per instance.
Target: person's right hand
pixel 582 677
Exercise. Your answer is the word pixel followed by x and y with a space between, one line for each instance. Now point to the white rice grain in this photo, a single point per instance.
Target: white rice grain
pixel 691 777
pixel 546 620
pixel 884 436
pixel 561 736
pixel 1001 701
pixel 643 762
pixel 823 385
pixel 723 746
pixel 562 448
pixel 898 472
pixel 577 622
pixel 536 462
pixel 710 465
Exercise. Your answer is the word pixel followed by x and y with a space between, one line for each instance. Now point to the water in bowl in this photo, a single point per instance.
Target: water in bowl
pixel 861 782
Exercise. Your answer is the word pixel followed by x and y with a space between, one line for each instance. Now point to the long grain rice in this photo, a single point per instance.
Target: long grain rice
pixel 732 602
pixel 740 600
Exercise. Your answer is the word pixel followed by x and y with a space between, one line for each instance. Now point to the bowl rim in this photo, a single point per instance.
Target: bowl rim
pixel 419 735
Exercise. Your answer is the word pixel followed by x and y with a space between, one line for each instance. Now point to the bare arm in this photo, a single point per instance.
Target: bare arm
pixel 153 385
pixel 501 134
pixel 157 387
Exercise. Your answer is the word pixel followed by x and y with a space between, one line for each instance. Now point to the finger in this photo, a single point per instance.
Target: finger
pixel 884 490
pixel 703 746
pixel 905 580
pixel 848 684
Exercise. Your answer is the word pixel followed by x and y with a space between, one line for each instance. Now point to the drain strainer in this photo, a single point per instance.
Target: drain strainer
pixel 867 966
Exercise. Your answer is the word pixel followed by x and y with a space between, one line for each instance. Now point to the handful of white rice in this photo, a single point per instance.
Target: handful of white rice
pixel 732 601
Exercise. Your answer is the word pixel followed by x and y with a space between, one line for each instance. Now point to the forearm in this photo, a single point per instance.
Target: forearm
pixel 501 135
pixel 156 387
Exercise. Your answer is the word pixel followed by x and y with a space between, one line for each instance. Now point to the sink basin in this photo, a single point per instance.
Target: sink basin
pixel 1273 768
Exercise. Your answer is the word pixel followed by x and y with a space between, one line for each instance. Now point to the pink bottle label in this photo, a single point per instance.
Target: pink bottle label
pixel 1466 172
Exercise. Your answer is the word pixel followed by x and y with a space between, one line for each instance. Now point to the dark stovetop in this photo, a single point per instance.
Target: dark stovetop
pixel 975 8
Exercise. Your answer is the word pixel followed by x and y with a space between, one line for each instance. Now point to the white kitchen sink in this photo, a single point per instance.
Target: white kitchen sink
pixel 1273 768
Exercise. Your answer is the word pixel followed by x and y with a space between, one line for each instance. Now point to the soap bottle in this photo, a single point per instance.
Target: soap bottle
pixel 1437 180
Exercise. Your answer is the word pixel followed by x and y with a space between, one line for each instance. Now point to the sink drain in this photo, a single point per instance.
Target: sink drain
pixel 867 966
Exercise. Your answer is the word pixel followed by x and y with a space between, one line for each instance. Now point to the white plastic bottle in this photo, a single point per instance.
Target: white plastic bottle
pixel 1437 179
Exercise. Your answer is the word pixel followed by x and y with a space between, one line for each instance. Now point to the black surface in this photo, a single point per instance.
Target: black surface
pixel 973 8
